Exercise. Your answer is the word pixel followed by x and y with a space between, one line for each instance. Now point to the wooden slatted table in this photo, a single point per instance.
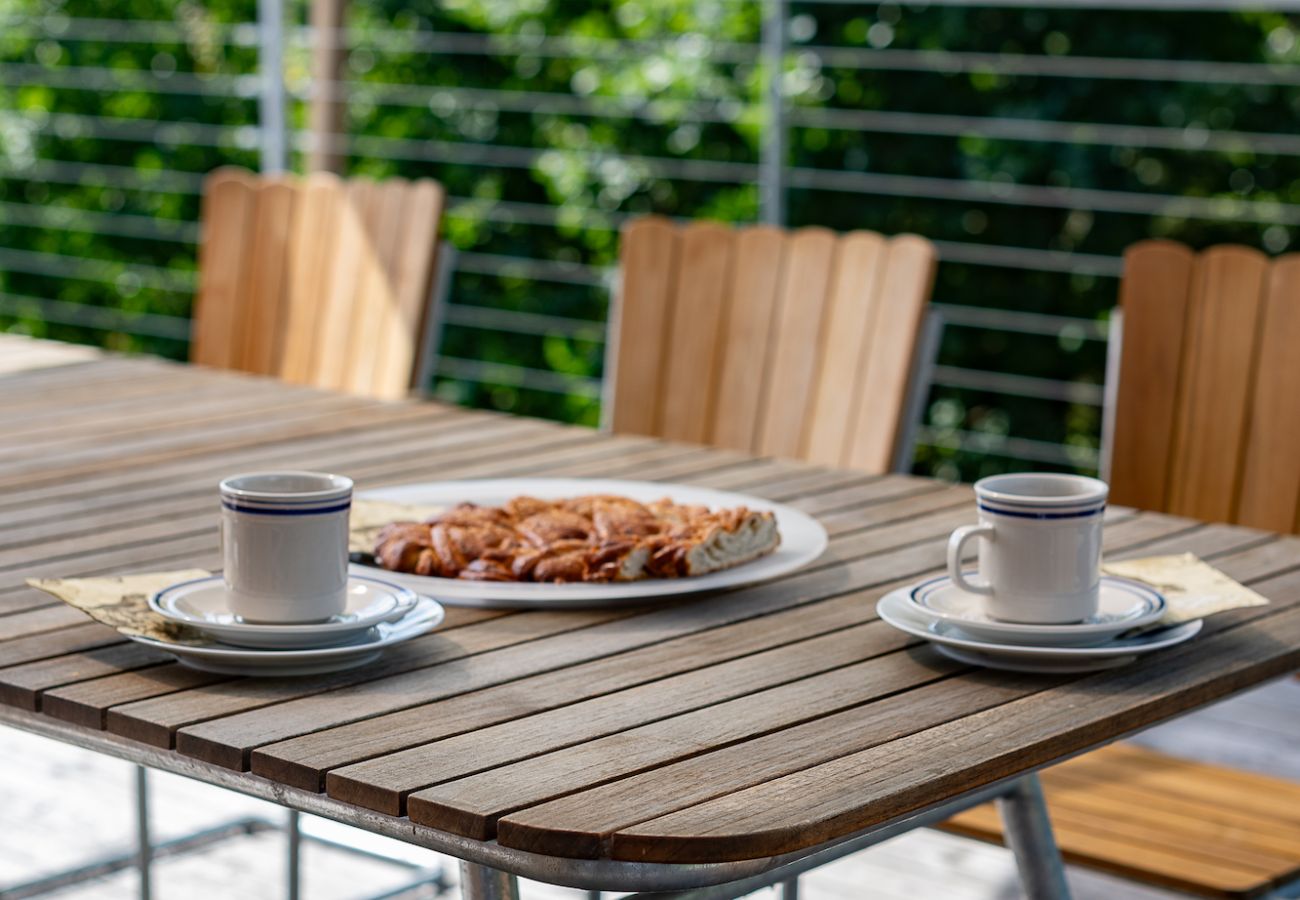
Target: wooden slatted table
pixel 746 735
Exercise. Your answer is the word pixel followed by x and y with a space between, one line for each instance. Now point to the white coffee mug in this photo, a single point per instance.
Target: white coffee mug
pixel 284 544
pixel 1040 547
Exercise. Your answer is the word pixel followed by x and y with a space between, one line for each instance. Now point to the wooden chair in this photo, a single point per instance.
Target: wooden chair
pixel 317 280
pixel 795 344
pixel 1206 422
pixel 1200 829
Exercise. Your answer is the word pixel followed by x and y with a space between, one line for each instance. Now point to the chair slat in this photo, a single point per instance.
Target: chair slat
pixel 649 263
pixel 1218 356
pixel 800 311
pixel 266 276
pixel 759 254
pixel 1202 829
pixel 768 341
pixel 314 235
pixel 1270 480
pixel 1153 296
pixel 376 298
pixel 882 396
pixel 342 283
pixel 318 280
pixel 691 352
pixel 228 199
pixel 412 273
pixel 853 305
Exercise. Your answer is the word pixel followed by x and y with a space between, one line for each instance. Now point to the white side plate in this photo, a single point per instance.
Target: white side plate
pixel 803 539
pixel 228 660
pixel 203 604
pixel 1124 605
pixel 1036 666
pixel 896 609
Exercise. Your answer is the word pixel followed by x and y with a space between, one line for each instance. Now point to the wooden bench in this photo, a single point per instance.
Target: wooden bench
pixel 1205 830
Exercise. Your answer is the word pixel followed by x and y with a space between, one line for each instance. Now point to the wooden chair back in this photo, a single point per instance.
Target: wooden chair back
pixel 784 343
pixel 1207 416
pixel 316 279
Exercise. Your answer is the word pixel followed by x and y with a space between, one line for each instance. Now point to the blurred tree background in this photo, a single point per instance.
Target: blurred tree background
pixel 550 121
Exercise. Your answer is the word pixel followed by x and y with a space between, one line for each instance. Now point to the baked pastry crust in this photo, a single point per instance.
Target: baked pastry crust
pixel 593 538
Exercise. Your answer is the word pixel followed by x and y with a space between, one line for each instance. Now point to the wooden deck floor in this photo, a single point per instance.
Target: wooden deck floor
pixel 1259 730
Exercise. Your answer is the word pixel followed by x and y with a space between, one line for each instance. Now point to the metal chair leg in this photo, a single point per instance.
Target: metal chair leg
pixel 144 845
pixel 293 860
pixel 480 882
pixel 1029 836
pixel 790 889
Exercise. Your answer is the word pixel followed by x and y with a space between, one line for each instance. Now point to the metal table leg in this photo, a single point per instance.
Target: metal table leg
pixel 1029 835
pixel 293 861
pixel 144 845
pixel 480 882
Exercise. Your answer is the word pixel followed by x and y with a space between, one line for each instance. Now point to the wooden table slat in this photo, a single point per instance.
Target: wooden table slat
pixel 877 784
pixel 471 806
pixel 754 722
pixel 304 760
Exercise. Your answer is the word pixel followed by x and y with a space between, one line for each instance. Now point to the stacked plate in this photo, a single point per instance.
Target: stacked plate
pixel 1124 628
pixel 378 614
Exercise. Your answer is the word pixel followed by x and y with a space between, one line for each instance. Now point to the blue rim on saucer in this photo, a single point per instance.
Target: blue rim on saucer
pixel 426 615
pixel 199 603
pixel 897 610
pixel 1125 605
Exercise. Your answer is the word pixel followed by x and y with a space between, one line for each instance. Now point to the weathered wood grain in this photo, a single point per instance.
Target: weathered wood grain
pixel 878 784
pixel 303 761
pixel 87 703
pixel 657 625
pixel 754 721
pixel 580 824
pixel 383 783
pixel 22 685
pixel 155 721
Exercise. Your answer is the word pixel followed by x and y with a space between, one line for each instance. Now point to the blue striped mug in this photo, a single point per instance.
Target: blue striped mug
pixel 1040 547
pixel 284 545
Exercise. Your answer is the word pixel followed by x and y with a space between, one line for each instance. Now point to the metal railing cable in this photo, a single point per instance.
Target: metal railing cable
pixel 40 193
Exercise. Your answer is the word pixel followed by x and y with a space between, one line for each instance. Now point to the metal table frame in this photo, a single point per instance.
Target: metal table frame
pixel 490 871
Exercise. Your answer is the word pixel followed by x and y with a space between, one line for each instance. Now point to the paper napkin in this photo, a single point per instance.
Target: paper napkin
pixel 368 516
pixel 122 602
pixel 1192 588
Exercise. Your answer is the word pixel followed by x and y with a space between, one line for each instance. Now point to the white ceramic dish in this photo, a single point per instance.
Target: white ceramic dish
pixel 1036 666
pixel 205 604
pixel 227 660
pixel 803 539
pixel 1124 605
pixel 896 609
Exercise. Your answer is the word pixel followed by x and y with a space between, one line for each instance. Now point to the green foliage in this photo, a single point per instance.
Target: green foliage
pixel 610 108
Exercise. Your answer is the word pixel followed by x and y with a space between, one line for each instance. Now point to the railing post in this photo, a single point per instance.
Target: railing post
pixel 327 112
pixel 273 124
pixel 772 154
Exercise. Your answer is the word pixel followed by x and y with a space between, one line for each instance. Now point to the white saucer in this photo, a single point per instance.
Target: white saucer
pixel 227 660
pixel 1124 605
pixel 1036 666
pixel 202 604
pixel 896 609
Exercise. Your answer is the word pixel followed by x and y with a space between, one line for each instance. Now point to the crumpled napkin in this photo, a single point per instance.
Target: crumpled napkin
pixel 368 516
pixel 122 602
pixel 1193 589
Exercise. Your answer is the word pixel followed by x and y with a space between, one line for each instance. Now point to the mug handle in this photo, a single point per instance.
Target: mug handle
pixel 955 544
